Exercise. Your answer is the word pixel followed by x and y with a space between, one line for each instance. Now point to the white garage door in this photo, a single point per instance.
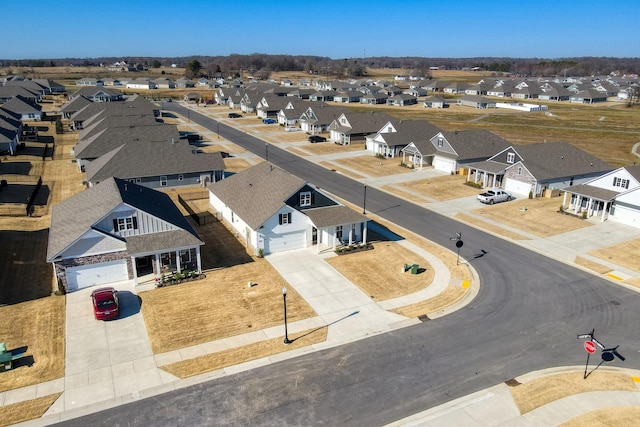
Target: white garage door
pixel 284 242
pixel 517 187
pixel 626 216
pixel 443 165
pixel 96 274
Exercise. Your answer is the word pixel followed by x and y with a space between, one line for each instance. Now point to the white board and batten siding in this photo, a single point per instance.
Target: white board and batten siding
pixel 145 223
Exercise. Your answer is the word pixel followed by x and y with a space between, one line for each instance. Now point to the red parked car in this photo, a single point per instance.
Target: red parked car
pixel 105 304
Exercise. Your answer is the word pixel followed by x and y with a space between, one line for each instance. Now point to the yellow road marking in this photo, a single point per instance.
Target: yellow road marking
pixel 636 379
pixel 613 276
pixel 466 284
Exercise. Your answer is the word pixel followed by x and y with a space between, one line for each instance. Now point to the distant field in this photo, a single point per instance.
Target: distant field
pixel 607 130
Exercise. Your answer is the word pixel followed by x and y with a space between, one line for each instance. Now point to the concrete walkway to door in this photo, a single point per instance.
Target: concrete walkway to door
pixel 349 313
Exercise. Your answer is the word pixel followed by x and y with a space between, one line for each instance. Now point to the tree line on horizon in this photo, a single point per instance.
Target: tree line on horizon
pixel 261 65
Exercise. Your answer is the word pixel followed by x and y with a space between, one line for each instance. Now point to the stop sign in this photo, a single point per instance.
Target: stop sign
pixel 590 347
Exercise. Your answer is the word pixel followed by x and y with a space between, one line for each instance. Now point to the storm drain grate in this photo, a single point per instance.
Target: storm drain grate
pixel 615 302
pixel 423 318
pixel 512 382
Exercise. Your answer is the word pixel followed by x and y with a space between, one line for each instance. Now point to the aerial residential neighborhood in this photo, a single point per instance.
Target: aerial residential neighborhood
pixel 168 230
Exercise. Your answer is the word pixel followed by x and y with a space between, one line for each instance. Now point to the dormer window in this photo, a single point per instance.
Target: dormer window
pixel 621 182
pixel 511 157
pixel 125 223
pixel 305 198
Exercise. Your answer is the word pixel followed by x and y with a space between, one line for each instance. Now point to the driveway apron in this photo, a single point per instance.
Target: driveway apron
pixel 105 359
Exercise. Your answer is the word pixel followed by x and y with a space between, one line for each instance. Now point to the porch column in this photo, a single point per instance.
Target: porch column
pixel 158 269
pixel 135 271
pixel 484 179
pixel 350 235
pixel 419 157
pixel 564 199
pixel 604 211
pixel 198 260
pixel 178 261
pixel 577 206
pixel 469 175
pixel 364 233
pixel 334 239
pixel 591 207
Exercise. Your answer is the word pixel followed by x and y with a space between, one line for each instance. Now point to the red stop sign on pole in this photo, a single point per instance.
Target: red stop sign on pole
pixel 590 347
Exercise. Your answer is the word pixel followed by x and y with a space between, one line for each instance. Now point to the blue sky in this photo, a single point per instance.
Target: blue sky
pixel 336 29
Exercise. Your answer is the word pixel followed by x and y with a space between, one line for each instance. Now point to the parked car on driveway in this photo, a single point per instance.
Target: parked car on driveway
pixel 494 195
pixel 105 304
pixel 268 121
pixel 317 138
pixel 234 115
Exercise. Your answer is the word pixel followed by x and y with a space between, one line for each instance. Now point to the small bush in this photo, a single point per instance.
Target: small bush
pixel 530 194
pixel 561 208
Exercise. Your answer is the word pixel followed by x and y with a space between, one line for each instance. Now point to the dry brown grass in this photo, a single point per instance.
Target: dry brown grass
pixel 495 229
pixel 448 297
pixel 622 416
pixel 383 282
pixel 39 326
pixel 404 194
pixel 343 171
pixel 446 187
pixel 598 268
pixel 372 166
pixel 323 148
pixel 220 306
pixel 234 356
pixel 624 254
pixel 25 411
pixel 542 391
pixel 535 219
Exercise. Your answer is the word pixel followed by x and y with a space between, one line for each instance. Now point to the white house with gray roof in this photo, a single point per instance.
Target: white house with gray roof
pixel 272 211
pixel 118 231
pixel 397 134
pixel 612 196
pixel 450 151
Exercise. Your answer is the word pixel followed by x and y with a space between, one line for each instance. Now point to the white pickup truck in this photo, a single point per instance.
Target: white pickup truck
pixel 494 195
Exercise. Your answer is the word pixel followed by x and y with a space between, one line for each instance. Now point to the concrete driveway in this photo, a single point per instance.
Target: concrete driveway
pixel 105 359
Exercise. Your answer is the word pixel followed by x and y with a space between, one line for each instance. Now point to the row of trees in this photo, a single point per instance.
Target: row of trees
pixel 261 65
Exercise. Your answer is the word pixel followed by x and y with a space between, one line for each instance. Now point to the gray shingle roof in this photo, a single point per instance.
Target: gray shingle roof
pixel 160 158
pixel 113 137
pixel 475 144
pixel 550 160
pixel 334 215
pixel 257 193
pixel 76 215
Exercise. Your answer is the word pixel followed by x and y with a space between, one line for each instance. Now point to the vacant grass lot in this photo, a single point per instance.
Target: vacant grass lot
pixel 37 327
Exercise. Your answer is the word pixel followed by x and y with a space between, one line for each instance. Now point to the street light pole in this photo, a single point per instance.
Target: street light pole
pixel 364 200
pixel 284 298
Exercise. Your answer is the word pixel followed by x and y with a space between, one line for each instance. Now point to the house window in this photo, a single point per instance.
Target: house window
pixel 620 182
pixel 519 170
pixel 284 218
pixel 180 177
pixel 339 232
pixel 163 181
pixel 185 256
pixel 305 198
pixel 511 157
pixel 440 142
pixel 125 223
